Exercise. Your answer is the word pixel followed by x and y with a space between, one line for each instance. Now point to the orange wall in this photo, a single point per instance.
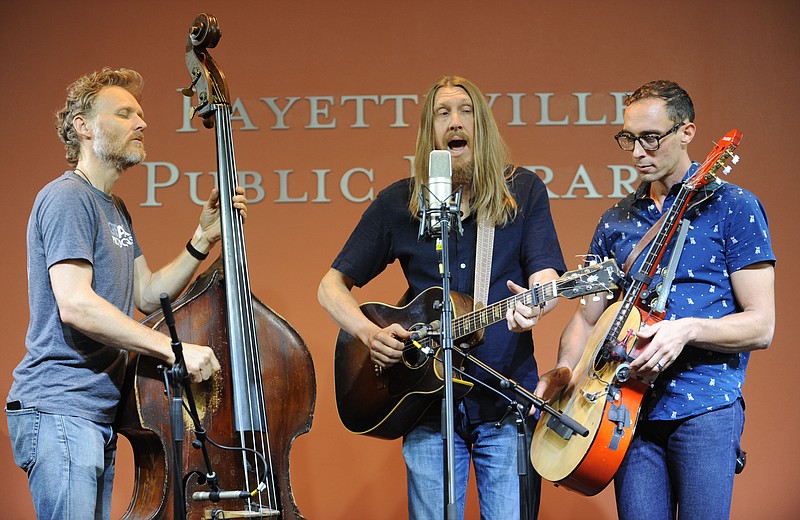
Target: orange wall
pixel 739 60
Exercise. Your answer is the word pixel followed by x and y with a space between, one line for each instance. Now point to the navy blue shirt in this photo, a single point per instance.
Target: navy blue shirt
pixel 728 232
pixel 388 232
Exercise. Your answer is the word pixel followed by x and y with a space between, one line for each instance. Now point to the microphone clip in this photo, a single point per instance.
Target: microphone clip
pixel 430 217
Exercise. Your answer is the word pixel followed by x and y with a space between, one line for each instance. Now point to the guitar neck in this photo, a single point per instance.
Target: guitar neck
pixel 481 318
pixel 654 256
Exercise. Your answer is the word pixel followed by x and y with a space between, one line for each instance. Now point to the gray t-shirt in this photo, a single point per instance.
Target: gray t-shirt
pixel 64 371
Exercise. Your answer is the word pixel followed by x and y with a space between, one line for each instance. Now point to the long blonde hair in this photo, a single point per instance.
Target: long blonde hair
pixel 490 196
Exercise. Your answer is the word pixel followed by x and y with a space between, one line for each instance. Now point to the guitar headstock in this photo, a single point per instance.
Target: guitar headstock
pixel 722 151
pixel 601 277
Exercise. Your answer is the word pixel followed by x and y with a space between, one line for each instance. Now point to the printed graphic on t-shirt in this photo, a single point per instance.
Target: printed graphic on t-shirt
pixel 120 237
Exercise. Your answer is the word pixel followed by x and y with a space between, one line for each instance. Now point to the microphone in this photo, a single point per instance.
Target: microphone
pixel 425 330
pixel 216 496
pixel 440 183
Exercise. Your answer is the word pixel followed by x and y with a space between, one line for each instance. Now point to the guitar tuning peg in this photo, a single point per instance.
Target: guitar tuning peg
pixel 735 159
pixel 609 296
pixel 726 170
pixel 595 298
pixel 583 301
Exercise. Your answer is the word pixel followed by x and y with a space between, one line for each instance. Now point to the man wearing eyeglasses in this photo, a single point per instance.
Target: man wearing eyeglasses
pixel 720 307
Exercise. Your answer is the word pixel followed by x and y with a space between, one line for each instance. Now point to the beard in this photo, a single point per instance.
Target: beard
pixel 115 151
pixel 462 173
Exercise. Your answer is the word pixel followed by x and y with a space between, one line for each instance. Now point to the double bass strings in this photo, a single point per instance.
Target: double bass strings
pixel 243 322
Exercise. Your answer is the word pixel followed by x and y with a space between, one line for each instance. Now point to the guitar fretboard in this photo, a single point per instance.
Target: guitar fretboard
pixel 592 279
pixel 496 312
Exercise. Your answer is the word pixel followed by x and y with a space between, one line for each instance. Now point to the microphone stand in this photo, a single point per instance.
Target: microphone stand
pixel 176 381
pixel 448 418
pixel 174 377
pixel 442 232
pixel 527 510
pixel 529 400
pixel 521 410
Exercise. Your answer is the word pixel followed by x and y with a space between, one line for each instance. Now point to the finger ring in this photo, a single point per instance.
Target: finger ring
pixel 659 367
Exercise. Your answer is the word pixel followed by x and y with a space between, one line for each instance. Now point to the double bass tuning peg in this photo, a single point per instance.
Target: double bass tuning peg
pixel 189 91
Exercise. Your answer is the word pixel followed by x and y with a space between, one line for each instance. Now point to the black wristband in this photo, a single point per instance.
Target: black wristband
pixel 194 252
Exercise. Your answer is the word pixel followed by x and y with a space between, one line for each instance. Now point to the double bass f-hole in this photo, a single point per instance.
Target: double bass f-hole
pixel 249 425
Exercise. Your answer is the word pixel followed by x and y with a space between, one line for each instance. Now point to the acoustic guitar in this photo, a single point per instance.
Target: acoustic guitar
pixel 602 394
pixel 387 402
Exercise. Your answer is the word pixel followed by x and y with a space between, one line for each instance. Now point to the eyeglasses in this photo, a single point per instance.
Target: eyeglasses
pixel 649 142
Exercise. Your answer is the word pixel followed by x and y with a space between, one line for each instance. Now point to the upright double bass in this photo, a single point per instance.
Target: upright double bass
pixel 261 399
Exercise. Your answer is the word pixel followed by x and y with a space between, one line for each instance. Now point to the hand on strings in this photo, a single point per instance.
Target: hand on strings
pixel 209 218
pixel 663 342
pixel 200 361
pixel 552 382
pixel 521 317
pixel 386 345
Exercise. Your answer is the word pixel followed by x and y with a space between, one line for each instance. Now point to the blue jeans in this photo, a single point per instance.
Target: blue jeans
pixel 494 456
pixel 683 467
pixel 69 462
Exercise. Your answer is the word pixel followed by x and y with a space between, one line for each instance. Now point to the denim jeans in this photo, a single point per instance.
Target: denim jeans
pixel 681 468
pixel 494 456
pixel 69 462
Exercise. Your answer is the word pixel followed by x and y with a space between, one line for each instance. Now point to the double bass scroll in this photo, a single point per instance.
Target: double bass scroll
pixel 263 396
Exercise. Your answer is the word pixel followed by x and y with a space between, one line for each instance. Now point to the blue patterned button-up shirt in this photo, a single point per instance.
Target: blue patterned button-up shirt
pixel 728 232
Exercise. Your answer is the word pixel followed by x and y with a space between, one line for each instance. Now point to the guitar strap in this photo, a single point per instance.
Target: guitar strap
pixel 699 197
pixel 646 239
pixel 483 263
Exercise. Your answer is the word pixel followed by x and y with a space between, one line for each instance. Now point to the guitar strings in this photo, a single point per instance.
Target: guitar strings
pixel 481 315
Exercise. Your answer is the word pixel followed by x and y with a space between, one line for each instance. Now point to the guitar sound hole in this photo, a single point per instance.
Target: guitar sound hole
pixel 414 357
pixel 600 359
